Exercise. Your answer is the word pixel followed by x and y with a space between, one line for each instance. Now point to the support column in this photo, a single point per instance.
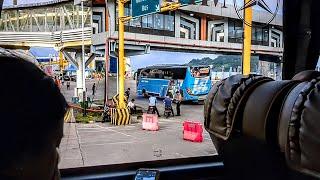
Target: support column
pixel 106 84
pixel 247 40
pixel 121 55
pixel 177 24
pixel 226 30
pixel 80 88
pixel 120 115
pixel 203 29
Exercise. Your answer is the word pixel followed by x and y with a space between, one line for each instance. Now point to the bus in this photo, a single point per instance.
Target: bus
pixel 193 82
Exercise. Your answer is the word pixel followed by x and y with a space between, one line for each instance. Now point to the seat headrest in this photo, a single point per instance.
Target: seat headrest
pixel 299 128
pixel 306 75
pixel 223 103
pixel 260 116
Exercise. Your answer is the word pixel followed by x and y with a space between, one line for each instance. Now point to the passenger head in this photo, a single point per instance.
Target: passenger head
pixel 32 110
pixel 132 100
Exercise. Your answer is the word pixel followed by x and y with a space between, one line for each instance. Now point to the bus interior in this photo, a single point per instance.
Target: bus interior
pixel 270 155
pixel 301 52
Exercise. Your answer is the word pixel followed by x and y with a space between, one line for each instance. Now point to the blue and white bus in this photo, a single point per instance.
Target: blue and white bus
pixel 194 83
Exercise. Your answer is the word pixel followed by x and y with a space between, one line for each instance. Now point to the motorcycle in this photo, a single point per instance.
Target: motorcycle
pixel 167 112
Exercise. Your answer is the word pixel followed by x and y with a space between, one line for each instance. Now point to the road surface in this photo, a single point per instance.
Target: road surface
pixel 101 143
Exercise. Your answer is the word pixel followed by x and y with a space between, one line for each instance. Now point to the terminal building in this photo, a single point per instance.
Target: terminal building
pixel 193 28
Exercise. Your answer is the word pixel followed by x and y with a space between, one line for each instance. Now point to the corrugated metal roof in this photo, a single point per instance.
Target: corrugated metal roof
pixel 35 4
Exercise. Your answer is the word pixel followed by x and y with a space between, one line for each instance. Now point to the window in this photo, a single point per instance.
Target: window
pixel 217 32
pixel 150 21
pixel 156 24
pixel 144 21
pixel 169 22
pixel 159 21
pixel 90 142
pixel 275 38
pixel 164 73
pixel 97 20
pixel 260 34
pixel 188 28
pixel 235 30
pixel 200 72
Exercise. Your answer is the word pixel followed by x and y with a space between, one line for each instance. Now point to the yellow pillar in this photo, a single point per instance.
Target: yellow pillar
pixel 61 61
pixel 121 55
pixel 246 54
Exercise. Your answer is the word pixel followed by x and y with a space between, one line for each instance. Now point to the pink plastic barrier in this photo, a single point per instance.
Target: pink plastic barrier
pixel 150 122
pixel 192 131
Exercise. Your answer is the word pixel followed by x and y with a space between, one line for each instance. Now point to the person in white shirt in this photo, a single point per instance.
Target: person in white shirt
pixel 132 106
pixel 153 104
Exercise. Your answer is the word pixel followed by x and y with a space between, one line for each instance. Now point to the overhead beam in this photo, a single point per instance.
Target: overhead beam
pixel 70 58
pixel 90 59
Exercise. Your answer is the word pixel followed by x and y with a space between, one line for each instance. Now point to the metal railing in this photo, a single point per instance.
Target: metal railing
pixel 49 38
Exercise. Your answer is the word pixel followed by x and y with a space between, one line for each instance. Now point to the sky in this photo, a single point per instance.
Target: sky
pixel 163 57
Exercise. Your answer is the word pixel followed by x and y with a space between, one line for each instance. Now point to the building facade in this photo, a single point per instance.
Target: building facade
pixel 196 28
pixel 193 28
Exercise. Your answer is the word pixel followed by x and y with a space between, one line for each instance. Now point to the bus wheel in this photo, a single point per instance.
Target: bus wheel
pixel 201 102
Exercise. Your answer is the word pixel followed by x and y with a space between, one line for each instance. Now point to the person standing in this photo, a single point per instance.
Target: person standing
pixel 153 104
pixel 93 89
pixel 178 99
pixel 127 93
pixel 62 80
pixel 132 107
pixel 68 85
pixel 168 104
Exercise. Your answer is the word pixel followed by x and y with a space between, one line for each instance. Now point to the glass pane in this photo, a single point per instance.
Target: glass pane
pixel 136 22
pixel 158 20
pixel 150 21
pixel 145 21
pixel 169 22
pixel 259 34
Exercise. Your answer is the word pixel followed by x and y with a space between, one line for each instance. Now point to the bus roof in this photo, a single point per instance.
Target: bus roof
pixel 170 66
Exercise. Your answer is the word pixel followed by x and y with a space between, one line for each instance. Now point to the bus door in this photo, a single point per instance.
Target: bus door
pixel 200 82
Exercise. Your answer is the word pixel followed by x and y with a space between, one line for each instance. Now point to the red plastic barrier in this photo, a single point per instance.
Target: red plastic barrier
pixel 150 122
pixel 192 131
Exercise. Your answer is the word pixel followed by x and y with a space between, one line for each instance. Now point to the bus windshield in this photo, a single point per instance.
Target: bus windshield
pixel 164 73
pixel 199 72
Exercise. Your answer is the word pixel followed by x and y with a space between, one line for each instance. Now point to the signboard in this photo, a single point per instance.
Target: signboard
pixel 144 7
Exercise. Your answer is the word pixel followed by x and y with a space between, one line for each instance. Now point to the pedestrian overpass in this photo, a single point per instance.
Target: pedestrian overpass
pixel 58 24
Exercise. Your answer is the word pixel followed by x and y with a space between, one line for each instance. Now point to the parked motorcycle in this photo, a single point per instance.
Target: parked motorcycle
pixel 167 112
